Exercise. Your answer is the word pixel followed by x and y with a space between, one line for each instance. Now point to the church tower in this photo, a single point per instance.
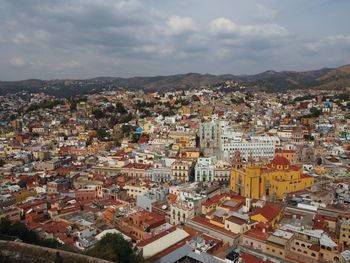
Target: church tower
pixel 237 162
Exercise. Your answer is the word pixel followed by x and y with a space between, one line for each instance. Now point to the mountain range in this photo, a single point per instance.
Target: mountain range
pixel 271 81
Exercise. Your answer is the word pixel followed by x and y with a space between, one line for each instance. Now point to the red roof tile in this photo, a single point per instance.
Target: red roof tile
pixel 252 259
pixel 270 211
pixel 279 160
pixel 204 222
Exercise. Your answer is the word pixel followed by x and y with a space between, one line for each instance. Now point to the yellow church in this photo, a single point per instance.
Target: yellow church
pixel 273 180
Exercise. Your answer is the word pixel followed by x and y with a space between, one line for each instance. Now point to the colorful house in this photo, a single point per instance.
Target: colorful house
pixel 274 180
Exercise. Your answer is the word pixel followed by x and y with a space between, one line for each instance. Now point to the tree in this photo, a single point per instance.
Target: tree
pixel 168 113
pixel 110 108
pixel 309 137
pixel 115 248
pixel 73 105
pixel 195 98
pixel 135 137
pixel 125 118
pixel 99 114
pixel 5 225
pixel 197 141
pixel 102 134
pixel 58 258
pixel 126 129
pixel 315 112
pixel 21 231
pixel 119 107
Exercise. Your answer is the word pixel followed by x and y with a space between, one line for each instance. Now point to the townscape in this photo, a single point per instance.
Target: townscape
pixel 220 174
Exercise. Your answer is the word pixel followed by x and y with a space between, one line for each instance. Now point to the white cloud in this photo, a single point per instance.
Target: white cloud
pixel 224 26
pixel 42 35
pixel 20 38
pixel 127 5
pixel 17 61
pixel 330 41
pixel 70 64
pixel 158 50
pixel 89 36
pixel 265 12
pixel 145 49
pixel 177 25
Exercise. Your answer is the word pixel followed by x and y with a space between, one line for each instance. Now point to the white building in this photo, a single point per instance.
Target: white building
pixel 257 147
pixel 219 138
pixel 204 170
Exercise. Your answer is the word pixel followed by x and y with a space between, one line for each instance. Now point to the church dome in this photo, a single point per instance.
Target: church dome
pixel 279 160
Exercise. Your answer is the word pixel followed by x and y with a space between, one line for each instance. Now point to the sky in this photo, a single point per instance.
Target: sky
pixel 123 38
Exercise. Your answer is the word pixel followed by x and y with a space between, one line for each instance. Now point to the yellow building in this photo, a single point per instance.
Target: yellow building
pixel 344 232
pixel 133 190
pixel 274 180
pixel 23 194
pixel 185 111
pixel 189 153
pixel 183 139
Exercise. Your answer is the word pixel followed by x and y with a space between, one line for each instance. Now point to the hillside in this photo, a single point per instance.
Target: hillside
pixel 272 81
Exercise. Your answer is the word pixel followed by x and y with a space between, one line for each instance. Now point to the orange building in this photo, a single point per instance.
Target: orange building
pixel 288 154
pixel 139 225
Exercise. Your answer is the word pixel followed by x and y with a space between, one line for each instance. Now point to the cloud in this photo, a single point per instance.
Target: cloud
pixel 85 38
pixel 70 64
pixel 153 50
pixel 336 41
pixel 177 25
pixel 265 12
pixel 17 61
pixel 225 27
pixel 20 38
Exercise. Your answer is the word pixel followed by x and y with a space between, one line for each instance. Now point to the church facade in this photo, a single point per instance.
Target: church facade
pixel 273 180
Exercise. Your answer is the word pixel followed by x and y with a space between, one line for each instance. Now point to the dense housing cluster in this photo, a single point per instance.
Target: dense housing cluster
pixel 209 175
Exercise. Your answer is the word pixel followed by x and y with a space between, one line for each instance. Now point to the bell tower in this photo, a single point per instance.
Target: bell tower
pixel 237 162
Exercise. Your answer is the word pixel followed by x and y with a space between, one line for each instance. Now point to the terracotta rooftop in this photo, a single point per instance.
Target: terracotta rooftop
pixel 279 160
pixel 252 259
pixel 236 220
pixel 258 233
pixel 270 211
pixel 284 151
pixel 204 222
